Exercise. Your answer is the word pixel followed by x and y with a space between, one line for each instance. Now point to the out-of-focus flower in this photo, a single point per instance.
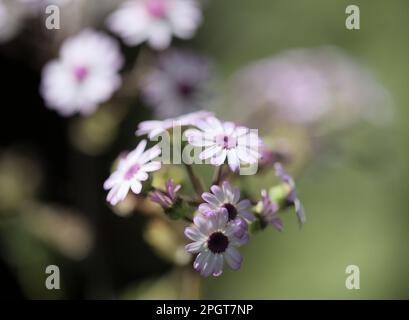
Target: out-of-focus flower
pixel 64 229
pixel 20 179
pixel 223 140
pixel 312 85
pixel 215 240
pixel 155 21
pixel 226 198
pixel 291 198
pixel 85 75
pixel 179 84
pixel 154 127
pixel 167 240
pixel 131 172
pixel 269 210
pixel 166 199
pixel 11 15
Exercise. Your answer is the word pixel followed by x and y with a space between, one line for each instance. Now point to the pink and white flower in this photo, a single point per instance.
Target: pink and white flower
pixel 155 127
pixel 85 75
pixel 180 83
pixel 155 21
pixel 215 240
pixel 226 198
pixel 311 86
pixel 225 140
pixel 131 172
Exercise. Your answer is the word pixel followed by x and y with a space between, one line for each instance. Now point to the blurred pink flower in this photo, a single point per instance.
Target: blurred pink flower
pixel 85 75
pixel 155 21
pixel 179 84
pixel 312 85
pixel 131 172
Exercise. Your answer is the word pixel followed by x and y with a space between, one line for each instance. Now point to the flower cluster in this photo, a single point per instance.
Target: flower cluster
pixel 221 216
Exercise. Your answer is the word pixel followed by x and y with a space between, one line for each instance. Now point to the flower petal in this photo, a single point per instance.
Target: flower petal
pixel 233 258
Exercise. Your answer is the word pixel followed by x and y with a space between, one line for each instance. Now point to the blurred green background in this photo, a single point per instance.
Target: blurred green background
pixel 357 210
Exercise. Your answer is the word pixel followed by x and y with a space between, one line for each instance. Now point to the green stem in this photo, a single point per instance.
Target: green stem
pixel 218 174
pixel 187 219
pixel 197 185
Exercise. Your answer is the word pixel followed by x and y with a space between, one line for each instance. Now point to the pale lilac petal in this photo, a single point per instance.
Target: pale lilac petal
pixel 246 155
pixel 239 241
pixel 135 154
pixel 247 214
pixel 150 154
pixel 136 187
pixel 207 207
pixel 233 258
pixel 193 234
pixel 219 159
pixel 201 260
pixel 208 266
pixel 233 160
pixel 151 166
pixel 194 247
pixel 229 127
pixel 210 152
pixel 243 205
pixel 118 193
pixel 221 218
pixel 202 224
pixel 218 192
pixel 227 188
pixel 141 176
pixel 210 198
pixel 218 266
pixel 236 195
pixel 111 181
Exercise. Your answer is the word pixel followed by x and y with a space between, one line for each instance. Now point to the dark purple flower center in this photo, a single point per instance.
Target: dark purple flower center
pixel 132 171
pixel 231 210
pixel 217 242
pixel 156 8
pixel 226 141
pixel 185 89
pixel 80 73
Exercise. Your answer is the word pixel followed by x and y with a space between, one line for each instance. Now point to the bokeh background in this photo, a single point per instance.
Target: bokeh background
pixel 354 187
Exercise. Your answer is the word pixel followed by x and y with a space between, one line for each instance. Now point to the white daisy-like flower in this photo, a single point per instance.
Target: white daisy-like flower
pixel 11 16
pixel 84 76
pixel 154 127
pixel 131 172
pixel 155 21
pixel 180 83
pixel 226 198
pixel 222 140
pixel 215 240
